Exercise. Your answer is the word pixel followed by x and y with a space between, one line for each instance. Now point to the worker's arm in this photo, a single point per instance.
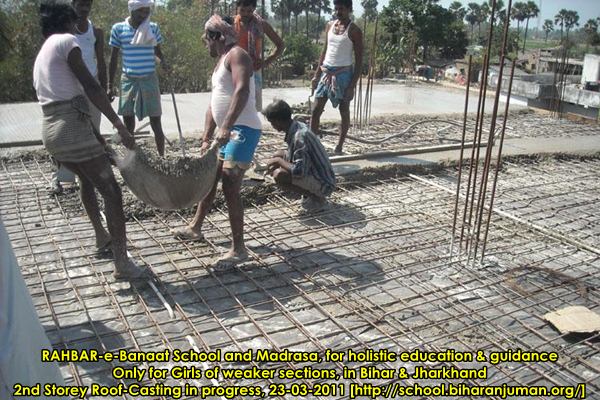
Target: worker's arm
pixel 318 72
pixel 96 94
pixel 112 70
pixel 209 129
pixel 279 162
pixel 277 41
pixel 240 65
pixel 99 48
pixel 357 39
pixel 158 53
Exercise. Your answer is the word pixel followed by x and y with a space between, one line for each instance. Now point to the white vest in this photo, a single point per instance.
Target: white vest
pixel 220 99
pixel 339 48
pixel 87 44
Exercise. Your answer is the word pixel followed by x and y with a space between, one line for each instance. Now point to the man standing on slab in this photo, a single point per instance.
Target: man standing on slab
pixel 232 113
pixel 139 40
pixel 251 30
pixel 335 78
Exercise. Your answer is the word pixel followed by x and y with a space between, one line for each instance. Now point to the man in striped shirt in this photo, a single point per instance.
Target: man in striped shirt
pixel 139 40
pixel 304 167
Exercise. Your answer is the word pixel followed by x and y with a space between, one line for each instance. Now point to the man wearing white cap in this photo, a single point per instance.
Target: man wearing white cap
pixel 139 40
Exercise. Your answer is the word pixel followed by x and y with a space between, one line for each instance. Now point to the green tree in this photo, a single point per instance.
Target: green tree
pixel 559 19
pixel 299 53
pixel 16 66
pixel 531 11
pixel 519 13
pixel 5 45
pixel 591 32
pixel 547 28
pixel 457 9
pixel 571 20
pixel 370 7
pixel 427 19
pixel 325 8
pixel 472 16
pixel 281 11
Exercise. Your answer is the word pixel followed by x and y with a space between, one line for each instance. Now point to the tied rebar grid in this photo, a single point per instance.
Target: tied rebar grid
pixel 468 225
pixel 370 272
pixel 415 131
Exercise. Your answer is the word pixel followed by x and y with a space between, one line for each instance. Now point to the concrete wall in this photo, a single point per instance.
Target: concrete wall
pixel 591 68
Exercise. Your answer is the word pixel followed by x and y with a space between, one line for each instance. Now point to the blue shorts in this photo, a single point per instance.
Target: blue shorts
pixel 239 151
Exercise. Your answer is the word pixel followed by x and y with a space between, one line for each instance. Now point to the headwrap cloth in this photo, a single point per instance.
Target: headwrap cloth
pixel 143 34
pixel 217 24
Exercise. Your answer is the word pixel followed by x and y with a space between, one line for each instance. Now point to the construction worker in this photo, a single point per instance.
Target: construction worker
pixel 335 78
pixel 304 167
pixel 232 113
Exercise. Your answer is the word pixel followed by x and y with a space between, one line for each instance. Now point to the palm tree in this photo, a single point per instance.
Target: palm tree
pixel 324 8
pixel 531 11
pixel 484 13
pixel 559 19
pixel 370 7
pixel 458 10
pixel 498 14
pixel 518 13
pixel 473 15
pixel 280 10
pixel 591 31
pixel 571 21
pixel 548 27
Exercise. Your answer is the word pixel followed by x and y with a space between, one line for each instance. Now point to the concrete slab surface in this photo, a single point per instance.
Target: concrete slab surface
pixel 22 121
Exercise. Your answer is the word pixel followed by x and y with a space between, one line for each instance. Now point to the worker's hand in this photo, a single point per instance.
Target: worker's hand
pixel 205 146
pixel 349 93
pixel 111 94
pixel 272 165
pixel 223 136
pixel 259 64
pixel 126 138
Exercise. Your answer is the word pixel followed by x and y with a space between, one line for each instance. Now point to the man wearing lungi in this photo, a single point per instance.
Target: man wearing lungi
pixel 91 43
pixel 139 40
pixel 62 81
pixel 335 78
pixel 232 113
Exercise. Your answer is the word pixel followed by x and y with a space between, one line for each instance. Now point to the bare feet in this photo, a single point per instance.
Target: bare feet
pixel 187 234
pixel 131 271
pixel 103 244
pixel 231 259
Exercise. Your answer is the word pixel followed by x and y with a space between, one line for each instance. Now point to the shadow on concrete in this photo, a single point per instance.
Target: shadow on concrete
pixel 336 214
pixel 83 337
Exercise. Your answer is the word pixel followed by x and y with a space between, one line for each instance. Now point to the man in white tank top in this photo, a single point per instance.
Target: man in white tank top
pixel 232 113
pixel 335 77
pixel 91 42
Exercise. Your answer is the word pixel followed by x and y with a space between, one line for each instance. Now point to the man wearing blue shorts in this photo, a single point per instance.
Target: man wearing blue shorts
pixel 232 113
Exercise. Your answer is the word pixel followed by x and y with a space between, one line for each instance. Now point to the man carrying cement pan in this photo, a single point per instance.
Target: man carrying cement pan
pixel 233 111
pixel 335 78
pixel 91 43
pixel 304 167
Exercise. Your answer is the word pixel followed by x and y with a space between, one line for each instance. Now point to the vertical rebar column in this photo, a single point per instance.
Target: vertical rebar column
pixel 490 144
pixel 460 160
pixel 499 158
